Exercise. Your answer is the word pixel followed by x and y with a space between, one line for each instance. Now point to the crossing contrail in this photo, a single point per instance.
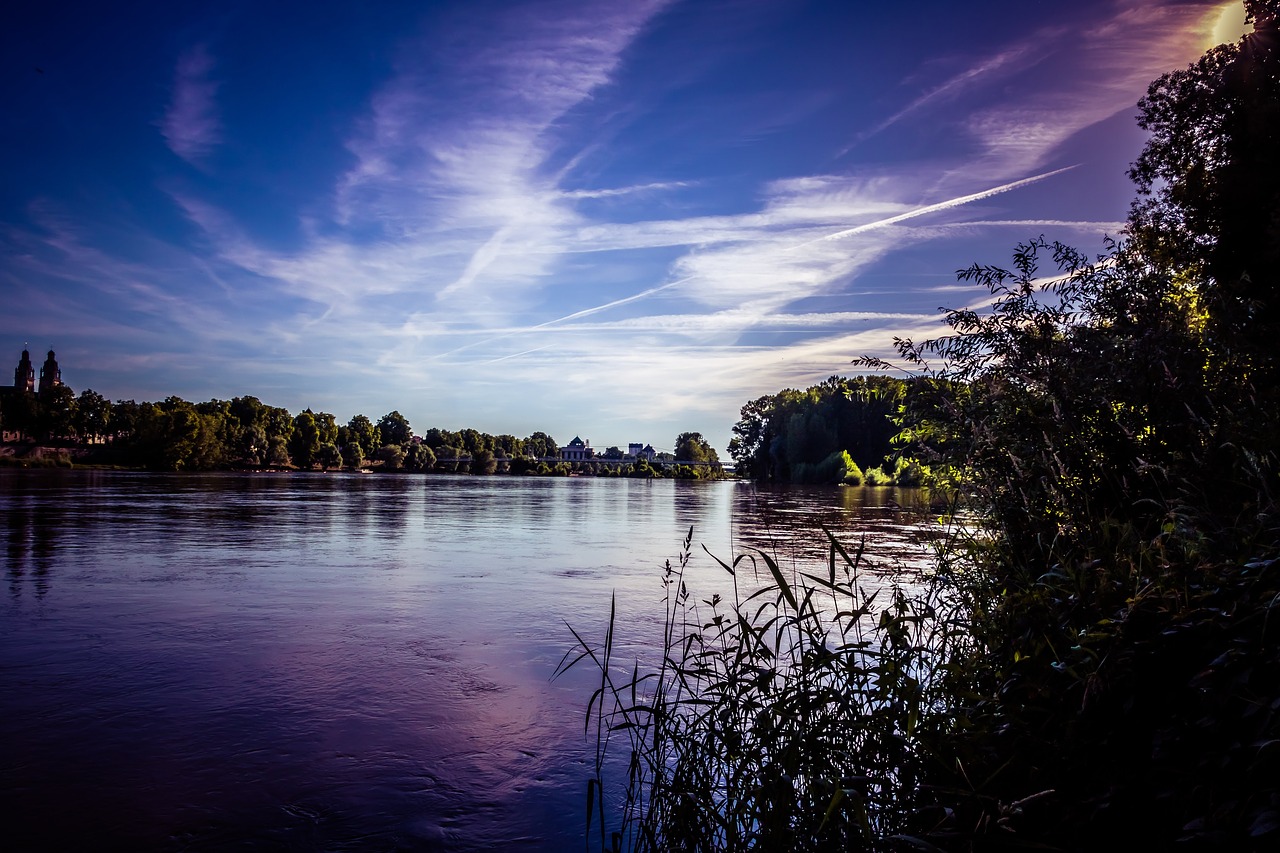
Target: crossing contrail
pixel 933 208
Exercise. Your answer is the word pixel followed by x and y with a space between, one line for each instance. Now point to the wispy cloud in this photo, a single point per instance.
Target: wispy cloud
pixel 190 124
pixel 462 244
pixel 1016 57
pixel 1087 76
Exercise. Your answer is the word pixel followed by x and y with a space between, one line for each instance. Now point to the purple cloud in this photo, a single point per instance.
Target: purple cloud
pixel 190 124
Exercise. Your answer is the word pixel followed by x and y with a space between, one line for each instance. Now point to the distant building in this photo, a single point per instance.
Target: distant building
pixel 50 375
pixel 636 450
pixel 576 451
pixel 24 382
pixel 24 377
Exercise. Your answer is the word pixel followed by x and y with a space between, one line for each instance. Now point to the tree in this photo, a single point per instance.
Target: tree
pixel 474 441
pixel 419 458
pixel 436 438
pixel 1113 427
pixel 447 458
pixel 329 456
pixel 392 457
pixel 352 455
pixel 509 445
pixel 279 423
pixel 327 428
pixel 305 441
pixel 56 413
pixel 248 412
pixel 362 431
pixel 277 452
pixel 483 462
pixel 1208 212
pixel 394 429
pixel 21 412
pixel 254 445
pixel 692 447
pixel 541 446
pixel 794 431
pixel 92 418
pixel 125 417
pixel 175 436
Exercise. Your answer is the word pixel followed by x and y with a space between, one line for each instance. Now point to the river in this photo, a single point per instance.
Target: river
pixel 343 661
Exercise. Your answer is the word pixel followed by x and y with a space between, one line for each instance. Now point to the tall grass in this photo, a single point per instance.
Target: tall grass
pixel 784 719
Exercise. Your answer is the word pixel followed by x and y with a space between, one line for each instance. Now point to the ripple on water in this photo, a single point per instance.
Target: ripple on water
pixel 339 663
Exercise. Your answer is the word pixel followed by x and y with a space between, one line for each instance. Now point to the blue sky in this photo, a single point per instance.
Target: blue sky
pixel 620 220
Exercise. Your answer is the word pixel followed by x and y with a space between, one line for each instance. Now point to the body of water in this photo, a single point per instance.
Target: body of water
pixel 310 662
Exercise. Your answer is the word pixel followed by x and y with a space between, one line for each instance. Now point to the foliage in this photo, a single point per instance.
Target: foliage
pixel 1099 659
pixel 1119 598
pixel 329 456
pixel 482 462
pixel 394 429
pixel 364 435
pixel 20 412
pixel 352 454
pixel 780 720
pixel 692 447
pixel 391 456
pixel 791 436
pixel 304 444
pixel 419 458
pixel 539 445
pixel 91 418
pixel 55 413
pixel 175 436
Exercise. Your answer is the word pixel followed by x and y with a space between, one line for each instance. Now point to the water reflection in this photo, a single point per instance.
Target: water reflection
pixel 304 662
pixel 787 522
pixel 33 526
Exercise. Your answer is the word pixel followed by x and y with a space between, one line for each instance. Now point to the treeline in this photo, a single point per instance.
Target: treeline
pixel 840 431
pixel 245 433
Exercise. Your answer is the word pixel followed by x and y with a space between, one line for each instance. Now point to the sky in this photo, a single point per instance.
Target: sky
pixel 616 220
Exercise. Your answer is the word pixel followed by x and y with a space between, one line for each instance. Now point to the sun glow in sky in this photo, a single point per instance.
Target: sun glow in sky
pixel 615 220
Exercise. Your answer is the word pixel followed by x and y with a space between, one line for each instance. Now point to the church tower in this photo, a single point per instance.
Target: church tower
pixel 50 375
pixel 24 378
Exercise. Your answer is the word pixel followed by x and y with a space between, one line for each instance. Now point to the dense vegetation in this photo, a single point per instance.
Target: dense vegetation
pixel 838 432
pixel 245 433
pixel 1095 661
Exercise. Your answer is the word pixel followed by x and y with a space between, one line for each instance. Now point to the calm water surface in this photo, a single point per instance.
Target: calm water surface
pixel 332 662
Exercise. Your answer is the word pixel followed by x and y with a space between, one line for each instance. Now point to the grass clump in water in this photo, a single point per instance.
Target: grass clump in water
pixel 784 719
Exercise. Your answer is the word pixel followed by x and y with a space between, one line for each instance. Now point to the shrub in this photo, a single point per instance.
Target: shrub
pixel 877 477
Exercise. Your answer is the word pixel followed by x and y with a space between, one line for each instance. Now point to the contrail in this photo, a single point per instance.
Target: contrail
pixel 869 226
pixel 586 312
pixel 946 88
pixel 516 354
pixel 933 208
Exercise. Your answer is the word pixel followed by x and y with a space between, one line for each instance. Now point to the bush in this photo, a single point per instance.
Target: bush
pixel 853 475
pixel 391 456
pixel 877 477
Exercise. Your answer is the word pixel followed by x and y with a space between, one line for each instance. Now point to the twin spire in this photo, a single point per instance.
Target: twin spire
pixel 24 377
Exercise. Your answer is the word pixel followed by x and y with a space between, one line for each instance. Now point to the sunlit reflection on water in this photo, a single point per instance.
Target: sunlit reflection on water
pixel 343 662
